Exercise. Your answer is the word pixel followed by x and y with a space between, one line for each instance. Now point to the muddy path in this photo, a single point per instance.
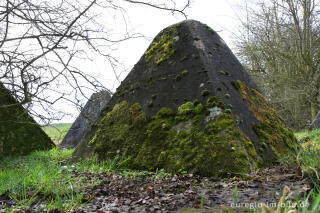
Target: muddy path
pixel 183 193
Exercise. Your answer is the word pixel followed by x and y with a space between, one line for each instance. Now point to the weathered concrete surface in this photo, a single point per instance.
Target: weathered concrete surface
pixel 88 116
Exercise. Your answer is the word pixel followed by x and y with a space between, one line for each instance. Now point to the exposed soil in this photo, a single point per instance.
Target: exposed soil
pixel 182 193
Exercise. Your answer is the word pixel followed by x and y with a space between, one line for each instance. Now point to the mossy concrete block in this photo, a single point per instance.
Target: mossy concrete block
pixel 19 133
pixel 189 127
pixel 151 143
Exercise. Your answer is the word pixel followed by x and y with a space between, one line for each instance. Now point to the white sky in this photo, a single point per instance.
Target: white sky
pixel 220 15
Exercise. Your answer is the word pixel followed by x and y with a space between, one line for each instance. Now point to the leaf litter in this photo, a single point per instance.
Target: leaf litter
pixel 149 192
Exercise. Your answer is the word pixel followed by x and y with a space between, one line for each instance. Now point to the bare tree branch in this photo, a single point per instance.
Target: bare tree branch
pixel 44 43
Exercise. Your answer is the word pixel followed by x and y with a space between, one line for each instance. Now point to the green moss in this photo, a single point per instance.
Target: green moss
pixel 224 72
pixel 235 84
pixel 227 110
pixel 164 113
pixel 196 102
pixel 148 82
pixel 154 96
pixel 184 72
pixel 163 78
pixel 196 38
pixel 227 95
pixel 264 145
pixel 185 57
pixel 214 102
pixel 195 56
pixel 186 108
pixel 122 92
pixel 219 89
pixel 271 129
pixel 225 85
pixel 150 104
pixel 198 108
pixel 204 92
pixel 163 48
pixel 178 77
pixel 154 143
pixel 19 133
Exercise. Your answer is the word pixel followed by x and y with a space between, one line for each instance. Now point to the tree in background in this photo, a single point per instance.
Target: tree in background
pixel 42 42
pixel 279 45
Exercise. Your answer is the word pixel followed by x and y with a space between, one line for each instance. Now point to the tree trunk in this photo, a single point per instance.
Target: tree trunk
pixel 313 110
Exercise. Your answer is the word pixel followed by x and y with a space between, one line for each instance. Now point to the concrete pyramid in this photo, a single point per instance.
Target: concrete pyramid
pixel 89 114
pixel 189 105
pixel 19 133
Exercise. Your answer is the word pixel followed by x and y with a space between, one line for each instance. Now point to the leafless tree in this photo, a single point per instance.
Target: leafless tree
pixel 280 46
pixel 42 42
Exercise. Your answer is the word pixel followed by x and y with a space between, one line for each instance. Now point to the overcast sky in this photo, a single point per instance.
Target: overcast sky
pixel 221 15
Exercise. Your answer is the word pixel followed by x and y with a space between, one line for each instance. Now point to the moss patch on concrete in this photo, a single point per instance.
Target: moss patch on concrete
pixel 177 141
pixel 162 48
pixel 271 130
pixel 19 133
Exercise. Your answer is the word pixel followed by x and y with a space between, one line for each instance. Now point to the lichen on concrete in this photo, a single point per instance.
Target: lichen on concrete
pixel 213 113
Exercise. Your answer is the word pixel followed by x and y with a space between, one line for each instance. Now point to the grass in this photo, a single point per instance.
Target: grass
pixel 57 131
pixel 309 157
pixel 47 176
pixel 39 175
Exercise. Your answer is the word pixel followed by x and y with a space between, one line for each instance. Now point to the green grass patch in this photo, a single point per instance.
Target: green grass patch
pixel 39 176
pixel 46 176
pixel 57 131
pixel 49 177
pixel 308 157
